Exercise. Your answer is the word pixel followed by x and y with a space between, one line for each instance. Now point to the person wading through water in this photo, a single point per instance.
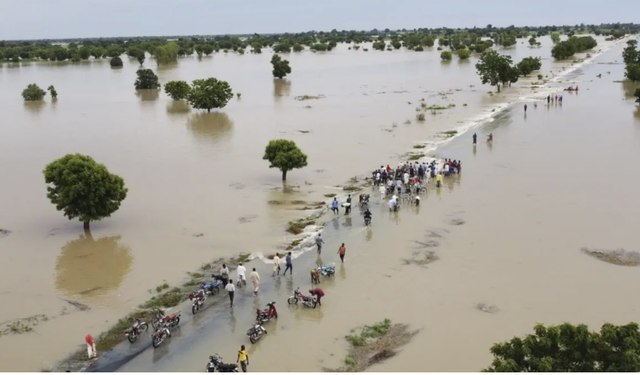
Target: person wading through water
pixel 289 265
pixel 342 250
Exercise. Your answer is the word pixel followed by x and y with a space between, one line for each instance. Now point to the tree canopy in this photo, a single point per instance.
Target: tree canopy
pixel 631 58
pixel 280 67
pixel 177 90
pixel 494 68
pixel 115 62
pixel 209 93
pixel 33 92
pixel 464 54
pixel 52 90
pixel 565 49
pixel 147 79
pixel 529 65
pixel 284 155
pixel 569 348
pixel 83 189
pixel 446 55
pixel 166 54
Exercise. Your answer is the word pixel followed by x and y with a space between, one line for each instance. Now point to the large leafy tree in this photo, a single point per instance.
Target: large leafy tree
pixel 33 92
pixel 83 189
pixel 569 348
pixel 631 58
pixel 528 65
pixel 494 68
pixel 177 90
pixel 280 67
pixel 284 155
pixel 209 93
pixel 147 79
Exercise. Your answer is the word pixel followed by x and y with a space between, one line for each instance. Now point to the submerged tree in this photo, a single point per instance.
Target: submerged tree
pixel 555 37
pixel 631 58
pixel 464 54
pixel 528 65
pixel 116 62
pixel 209 93
pixel 494 68
pixel 284 155
pixel 83 189
pixel 33 92
pixel 53 92
pixel 446 55
pixel 177 90
pixel 569 348
pixel 147 79
pixel 166 54
pixel 280 67
pixel 637 95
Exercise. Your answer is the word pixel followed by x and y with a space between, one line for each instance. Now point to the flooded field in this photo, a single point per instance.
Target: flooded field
pixel 198 190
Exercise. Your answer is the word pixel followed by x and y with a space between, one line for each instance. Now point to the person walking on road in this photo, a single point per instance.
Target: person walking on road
pixel 319 242
pixel 347 206
pixel 276 264
pixel 342 250
pixel 475 139
pixel 243 358
pixel 289 265
pixel 240 271
pixel 255 280
pixel 334 206
pixel 231 289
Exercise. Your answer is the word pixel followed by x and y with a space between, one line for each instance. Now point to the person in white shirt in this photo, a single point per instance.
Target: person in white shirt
pixel 240 271
pixel 276 264
pixel 446 169
pixel 383 192
pixel 231 289
pixel 255 280
pixel 377 178
pixel 224 272
pixel 392 204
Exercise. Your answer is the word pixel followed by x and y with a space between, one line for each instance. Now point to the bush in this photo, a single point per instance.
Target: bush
pixel 464 54
pixel 147 79
pixel 418 49
pixel 177 90
pixel 446 56
pixel 33 92
pixel 116 62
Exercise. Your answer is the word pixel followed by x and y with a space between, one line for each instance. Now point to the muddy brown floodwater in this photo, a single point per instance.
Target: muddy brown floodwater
pixel 549 185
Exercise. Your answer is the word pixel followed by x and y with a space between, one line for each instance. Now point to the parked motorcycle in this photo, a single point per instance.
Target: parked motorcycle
pixel 267 314
pixel 135 330
pixel 212 288
pixel 162 332
pixel 169 320
pixel 255 332
pixel 198 300
pixel 328 270
pixel 308 301
pixel 215 363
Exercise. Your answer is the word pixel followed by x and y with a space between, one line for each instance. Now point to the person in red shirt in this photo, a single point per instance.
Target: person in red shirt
pixel 318 293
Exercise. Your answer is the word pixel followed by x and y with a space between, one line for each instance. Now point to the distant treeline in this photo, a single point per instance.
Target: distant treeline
pixel 166 49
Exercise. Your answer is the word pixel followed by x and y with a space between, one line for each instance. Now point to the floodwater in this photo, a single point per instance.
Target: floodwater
pixel 528 204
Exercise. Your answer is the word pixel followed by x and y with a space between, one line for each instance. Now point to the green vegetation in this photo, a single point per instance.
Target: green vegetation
pixel 413 157
pixel 296 227
pixel 280 67
pixel 369 333
pixel 450 133
pixel 419 146
pixel 564 50
pixel 33 92
pixel 53 92
pixel 162 287
pixel 529 65
pixel 534 42
pixel 83 189
pixel 464 54
pixel 107 340
pixel 496 69
pixel 177 90
pixel 167 54
pixel 555 37
pixel 379 45
pixel 631 58
pixel 209 93
pixel 284 155
pixel 446 55
pixel 569 348
pixel 147 79
pixel 167 299
pixel 116 62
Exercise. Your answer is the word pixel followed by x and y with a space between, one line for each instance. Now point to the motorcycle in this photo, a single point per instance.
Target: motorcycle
pixel 161 319
pixel 255 332
pixel 198 300
pixel 135 330
pixel 212 288
pixel 309 301
pixel 215 363
pixel 328 270
pixel 161 333
pixel 367 221
pixel 267 314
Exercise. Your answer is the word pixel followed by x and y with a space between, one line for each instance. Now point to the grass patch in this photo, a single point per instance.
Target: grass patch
pixel 419 146
pixel 619 257
pixel 413 157
pixel 192 283
pixel 309 97
pixel 162 287
pixel 297 226
pixel 167 299
pixel 107 340
pixel 293 244
pixel 330 195
pixel 24 325
pixel 374 344
pixel 450 133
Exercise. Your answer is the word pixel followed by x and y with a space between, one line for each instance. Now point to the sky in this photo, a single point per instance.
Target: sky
pixel 52 19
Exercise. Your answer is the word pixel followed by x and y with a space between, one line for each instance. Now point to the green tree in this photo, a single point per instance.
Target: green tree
pixel 630 53
pixel 632 72
pixel 379 45
pixel 529 65
pixel 464 54
pixel 494 68
pixel 53 92
pixel 284 155
pixel 177 90
pixel 569 348
pixel 167 53
pixel 555 37
pixel 83 189
pixel 114 50
pixel 280 67
pixel 85 52
pixel 396 44
pixel 209 93
pixel 33 92
pixel 147 79
pixel 446 56
pixel 116 62
pixel 282 47
pixel 297 47
pixel 207 49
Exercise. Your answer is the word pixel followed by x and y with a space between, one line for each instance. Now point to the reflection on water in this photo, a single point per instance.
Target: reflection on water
pixel 34 107
pixel 342 271
pixel 87 266
pixel 210 126
pixel 148 95
pixel 178 107
pixel 629 89
pixel 281 87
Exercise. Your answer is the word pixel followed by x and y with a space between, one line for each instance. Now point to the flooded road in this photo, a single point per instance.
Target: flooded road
pixel 190 173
